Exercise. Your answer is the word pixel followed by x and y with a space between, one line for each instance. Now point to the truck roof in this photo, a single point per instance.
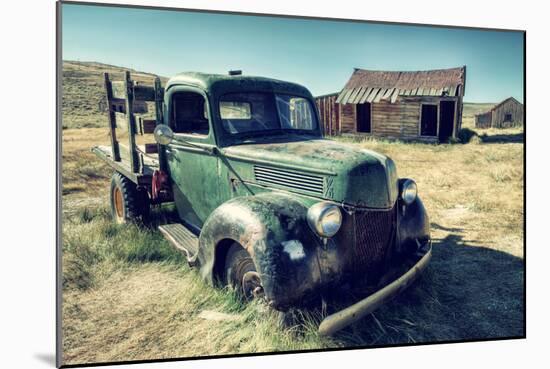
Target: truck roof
pixel 225 83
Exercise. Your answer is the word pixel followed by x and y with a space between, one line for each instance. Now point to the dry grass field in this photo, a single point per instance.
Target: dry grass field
pixel 128 296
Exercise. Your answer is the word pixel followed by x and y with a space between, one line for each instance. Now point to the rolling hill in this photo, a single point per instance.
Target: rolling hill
pixel 83 91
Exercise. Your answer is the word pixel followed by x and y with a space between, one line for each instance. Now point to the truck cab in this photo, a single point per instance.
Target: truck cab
pixel 215 117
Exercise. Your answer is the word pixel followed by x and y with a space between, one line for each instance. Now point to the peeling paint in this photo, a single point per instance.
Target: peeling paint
pixel 294 249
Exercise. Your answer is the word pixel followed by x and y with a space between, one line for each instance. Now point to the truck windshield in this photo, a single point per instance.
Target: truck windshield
pixel 261 112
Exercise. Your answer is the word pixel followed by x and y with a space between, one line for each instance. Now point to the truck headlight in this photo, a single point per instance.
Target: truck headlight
pixel 324 218
pixel 408 191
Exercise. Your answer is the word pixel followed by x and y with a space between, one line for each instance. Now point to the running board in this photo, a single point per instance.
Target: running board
pixel 182 239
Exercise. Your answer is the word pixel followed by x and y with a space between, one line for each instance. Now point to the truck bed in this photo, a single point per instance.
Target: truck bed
pixel 150 164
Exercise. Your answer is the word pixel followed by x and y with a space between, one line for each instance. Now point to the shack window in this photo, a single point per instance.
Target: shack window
pixel 428 120
pixel 189 113
pixel 508 117
pixel 363 118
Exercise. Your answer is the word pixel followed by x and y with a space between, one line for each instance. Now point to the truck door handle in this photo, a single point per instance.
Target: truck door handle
pixel 170 152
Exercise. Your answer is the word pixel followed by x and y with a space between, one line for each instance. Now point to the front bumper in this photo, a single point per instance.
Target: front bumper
pixel 355 312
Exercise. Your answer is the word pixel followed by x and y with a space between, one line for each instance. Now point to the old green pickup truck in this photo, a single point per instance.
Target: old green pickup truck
pixel 265 203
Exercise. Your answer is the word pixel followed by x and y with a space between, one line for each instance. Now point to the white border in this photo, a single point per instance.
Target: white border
pixel 28 181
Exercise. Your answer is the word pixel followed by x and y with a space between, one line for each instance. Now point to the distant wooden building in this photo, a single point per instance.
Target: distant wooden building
pixel 506 114
pixel 423 105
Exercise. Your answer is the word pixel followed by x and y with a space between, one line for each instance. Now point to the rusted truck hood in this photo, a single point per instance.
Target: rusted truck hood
pixel 350 174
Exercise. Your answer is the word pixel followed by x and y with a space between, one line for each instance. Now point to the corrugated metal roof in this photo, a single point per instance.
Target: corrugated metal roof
pixel 368 86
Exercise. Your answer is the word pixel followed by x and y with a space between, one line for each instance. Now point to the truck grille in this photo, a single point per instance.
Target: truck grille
pixel 290 179
pixel 374 232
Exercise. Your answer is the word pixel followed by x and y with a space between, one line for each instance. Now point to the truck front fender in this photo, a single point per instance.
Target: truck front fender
pixel 414 225
pixel 273 228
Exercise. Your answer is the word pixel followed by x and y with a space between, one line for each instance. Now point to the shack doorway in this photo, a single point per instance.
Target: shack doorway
pixel 363 118
pixel 428 120
pixel 446 120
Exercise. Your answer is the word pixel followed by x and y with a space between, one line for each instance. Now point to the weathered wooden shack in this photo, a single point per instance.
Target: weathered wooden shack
pixel 329 112
pixel 508 113
pixel 420 105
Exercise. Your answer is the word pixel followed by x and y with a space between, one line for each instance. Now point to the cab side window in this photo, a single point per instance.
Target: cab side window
pixel 189 113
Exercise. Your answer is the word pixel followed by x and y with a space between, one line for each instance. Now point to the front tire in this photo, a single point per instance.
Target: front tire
pixel 128 202
pixel 240 273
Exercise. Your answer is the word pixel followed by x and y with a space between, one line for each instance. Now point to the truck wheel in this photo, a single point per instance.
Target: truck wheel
pixel 128 203
pixel 241 274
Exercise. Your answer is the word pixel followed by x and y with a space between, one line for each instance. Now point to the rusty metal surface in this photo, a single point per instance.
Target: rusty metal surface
pixel 182 239
pixel 341 319
pixel 374 232
pixel 356 177
pixel 291 179
pixel 265 225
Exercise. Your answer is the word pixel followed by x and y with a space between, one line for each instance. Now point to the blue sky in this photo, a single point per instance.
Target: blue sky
pixel 319 54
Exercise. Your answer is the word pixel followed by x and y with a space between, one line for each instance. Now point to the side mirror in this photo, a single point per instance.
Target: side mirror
pixel 163 134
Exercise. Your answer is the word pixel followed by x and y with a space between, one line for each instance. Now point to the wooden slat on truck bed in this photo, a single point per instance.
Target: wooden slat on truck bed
pixel 150 164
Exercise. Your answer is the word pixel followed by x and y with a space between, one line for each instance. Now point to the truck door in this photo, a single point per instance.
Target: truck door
pixel 193 169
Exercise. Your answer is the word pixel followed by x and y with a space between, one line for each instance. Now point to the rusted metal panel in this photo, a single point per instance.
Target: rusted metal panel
pixel 182 239
pixel 407 80
pixel 341 319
